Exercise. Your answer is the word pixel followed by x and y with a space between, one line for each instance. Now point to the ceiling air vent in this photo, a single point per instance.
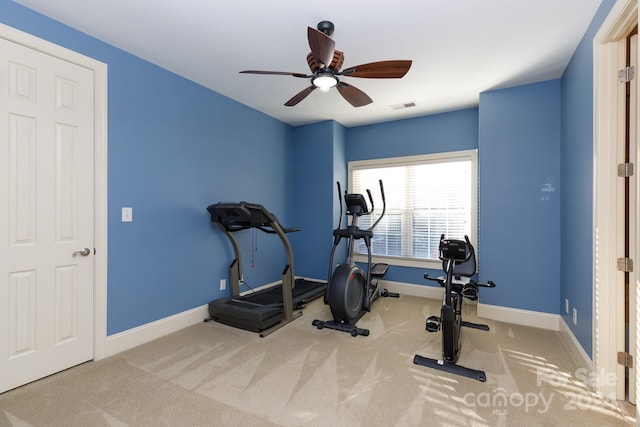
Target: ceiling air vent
pixel 403 106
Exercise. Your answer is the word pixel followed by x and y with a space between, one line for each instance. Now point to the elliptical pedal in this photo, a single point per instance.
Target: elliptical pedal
pixel 386 294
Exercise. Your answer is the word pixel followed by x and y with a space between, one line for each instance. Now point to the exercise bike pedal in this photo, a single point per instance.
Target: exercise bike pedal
pixel 470 292
pixel 432 324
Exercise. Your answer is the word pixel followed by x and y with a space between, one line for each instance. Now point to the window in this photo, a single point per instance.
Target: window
pixel 426 196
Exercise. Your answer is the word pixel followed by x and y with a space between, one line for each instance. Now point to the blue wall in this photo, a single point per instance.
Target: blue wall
pixel 454 131
pixel 577 177
pixel 339 175
pixel 317 148
pixel 174 148
pixel 519 174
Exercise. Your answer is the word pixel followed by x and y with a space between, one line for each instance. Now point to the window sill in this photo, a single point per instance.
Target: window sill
pixel 401 262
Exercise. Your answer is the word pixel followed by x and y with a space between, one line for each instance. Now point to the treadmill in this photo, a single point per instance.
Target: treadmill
pixel 266 310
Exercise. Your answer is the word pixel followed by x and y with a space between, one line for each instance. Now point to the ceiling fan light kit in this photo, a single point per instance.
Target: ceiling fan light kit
pixel 324 81
pixel 325 62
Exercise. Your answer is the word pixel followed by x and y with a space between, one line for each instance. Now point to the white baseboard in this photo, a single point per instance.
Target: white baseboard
pixel 518 316
pixel 131 338
pixel 424 291
pixel 515 316
pixel 142 334
pixel 570 341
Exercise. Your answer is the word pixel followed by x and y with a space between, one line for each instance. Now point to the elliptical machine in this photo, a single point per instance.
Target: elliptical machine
pixel 350 290
pixel 459 263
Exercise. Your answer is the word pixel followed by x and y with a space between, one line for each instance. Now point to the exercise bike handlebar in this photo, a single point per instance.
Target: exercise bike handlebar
pixel 489 284
pixel 451 261
pixel 449 256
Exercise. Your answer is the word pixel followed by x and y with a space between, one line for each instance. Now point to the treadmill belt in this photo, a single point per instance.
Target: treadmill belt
pixel 261 310
pixel 304 290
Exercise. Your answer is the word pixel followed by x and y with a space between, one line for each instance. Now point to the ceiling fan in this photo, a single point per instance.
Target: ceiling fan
pixel 325 63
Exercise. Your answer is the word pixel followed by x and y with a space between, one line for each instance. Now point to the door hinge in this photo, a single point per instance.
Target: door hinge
pixel 625 170
pixel 626 74
pixel 625 359
pixel 625 264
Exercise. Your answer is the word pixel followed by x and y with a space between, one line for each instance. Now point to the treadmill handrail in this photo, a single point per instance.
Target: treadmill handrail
pixel 272 231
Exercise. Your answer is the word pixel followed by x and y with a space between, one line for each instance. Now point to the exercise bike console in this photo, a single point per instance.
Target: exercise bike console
pixel 454 250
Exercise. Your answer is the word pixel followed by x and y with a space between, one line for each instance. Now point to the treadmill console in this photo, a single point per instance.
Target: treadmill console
pixel 240 215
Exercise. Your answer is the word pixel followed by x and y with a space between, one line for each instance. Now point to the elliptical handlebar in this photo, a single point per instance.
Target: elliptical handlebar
pixel 370 201
pixel 340 201
pixel 363 205
pixel 384 205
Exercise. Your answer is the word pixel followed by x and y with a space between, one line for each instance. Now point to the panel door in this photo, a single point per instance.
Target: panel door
pixel 46 214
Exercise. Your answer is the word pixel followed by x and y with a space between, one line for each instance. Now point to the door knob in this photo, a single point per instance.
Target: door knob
pixel 83 252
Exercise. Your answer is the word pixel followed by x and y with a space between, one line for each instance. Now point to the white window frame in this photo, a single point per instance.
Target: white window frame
pixel 419 159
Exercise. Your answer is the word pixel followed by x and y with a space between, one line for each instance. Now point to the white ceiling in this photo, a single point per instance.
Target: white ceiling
pixel 459 48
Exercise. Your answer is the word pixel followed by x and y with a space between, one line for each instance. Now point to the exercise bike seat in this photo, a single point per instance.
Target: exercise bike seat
pixel 379 269
pixel 462 272
pixel 465 269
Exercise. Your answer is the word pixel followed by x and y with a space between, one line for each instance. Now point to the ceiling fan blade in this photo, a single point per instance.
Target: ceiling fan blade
pixel 277 73
pixel 353 95
pixel 299 96
pixel 322 46
pixel 379 70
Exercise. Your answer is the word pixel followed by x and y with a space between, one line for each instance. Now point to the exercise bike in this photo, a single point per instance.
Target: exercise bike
pixel 350 290
pixel 459 264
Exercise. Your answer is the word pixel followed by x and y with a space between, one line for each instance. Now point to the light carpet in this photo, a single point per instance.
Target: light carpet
pixel 214 375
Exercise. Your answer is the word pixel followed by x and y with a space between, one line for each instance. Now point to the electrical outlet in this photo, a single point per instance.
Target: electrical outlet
pixel 223 284
pixel 575 316
pixel 566 305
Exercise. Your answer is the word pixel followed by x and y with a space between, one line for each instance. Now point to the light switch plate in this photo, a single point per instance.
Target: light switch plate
pixel 127 214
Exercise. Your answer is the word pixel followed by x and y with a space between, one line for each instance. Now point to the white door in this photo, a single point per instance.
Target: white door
pixel 46 214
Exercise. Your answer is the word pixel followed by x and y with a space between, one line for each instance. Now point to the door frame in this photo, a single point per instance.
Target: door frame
pixel 100 141
pixel 608 234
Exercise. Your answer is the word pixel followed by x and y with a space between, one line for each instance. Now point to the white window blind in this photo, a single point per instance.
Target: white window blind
pixel 426 196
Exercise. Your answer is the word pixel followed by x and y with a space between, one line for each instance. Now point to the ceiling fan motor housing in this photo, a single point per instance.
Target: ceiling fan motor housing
pixel 336 62
pixel 326 27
